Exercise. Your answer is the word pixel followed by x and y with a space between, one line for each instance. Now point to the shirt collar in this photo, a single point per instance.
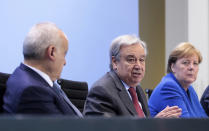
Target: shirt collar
pixel 126 86
pixel 42 74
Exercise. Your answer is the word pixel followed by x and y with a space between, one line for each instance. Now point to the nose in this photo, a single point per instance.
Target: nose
pixel 191 66
pixel 138 65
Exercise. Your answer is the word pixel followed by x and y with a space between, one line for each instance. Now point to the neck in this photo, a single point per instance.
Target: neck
pixel 38 64
pixel 34 63
pixel 184 85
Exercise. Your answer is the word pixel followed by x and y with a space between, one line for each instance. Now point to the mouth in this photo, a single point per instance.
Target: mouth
pixel 190 74
pixel 136 74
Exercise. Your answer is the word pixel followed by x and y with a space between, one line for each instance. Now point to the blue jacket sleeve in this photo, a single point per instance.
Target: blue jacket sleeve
pixel 172 95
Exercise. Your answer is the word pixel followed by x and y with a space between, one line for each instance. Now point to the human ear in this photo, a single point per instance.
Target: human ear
pixel 114 63
pixel 51 52
pixel 173 67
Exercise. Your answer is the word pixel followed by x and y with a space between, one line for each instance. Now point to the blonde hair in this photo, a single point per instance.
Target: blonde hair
pixel 184 49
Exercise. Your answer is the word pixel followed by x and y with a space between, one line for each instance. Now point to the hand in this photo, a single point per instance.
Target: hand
pixel 170 112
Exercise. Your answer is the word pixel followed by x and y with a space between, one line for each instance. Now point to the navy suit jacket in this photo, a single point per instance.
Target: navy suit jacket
pixel 28 93
pixel 205 100
pixel 108 97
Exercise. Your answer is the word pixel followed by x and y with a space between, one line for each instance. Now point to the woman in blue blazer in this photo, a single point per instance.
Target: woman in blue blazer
pixel 175 88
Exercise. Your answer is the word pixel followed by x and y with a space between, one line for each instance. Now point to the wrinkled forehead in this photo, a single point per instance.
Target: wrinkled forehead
pixel 134 49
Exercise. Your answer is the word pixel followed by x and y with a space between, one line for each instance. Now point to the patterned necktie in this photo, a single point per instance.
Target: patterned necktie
pixel 62 93
pixel 136 102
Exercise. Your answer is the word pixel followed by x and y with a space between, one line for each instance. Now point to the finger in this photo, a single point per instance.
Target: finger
pixel 167 109
pixel 175 113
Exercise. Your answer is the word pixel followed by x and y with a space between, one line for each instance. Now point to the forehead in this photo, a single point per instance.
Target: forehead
pixel 134 49
pixel 191 57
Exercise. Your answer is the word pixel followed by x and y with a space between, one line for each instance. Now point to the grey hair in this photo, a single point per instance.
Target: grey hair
pixel 123 40
pixel 39 38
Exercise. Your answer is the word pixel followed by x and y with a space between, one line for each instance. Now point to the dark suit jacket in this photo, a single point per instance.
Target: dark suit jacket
pixel 108 97
pixel 28 93
pixel 205 100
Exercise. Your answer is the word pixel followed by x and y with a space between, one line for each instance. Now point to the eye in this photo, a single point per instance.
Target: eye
pixel 141 60
pixel 131 60
pixel 196 63
pixel 185 62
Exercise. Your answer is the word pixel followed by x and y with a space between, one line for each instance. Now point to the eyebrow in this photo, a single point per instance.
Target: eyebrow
pixel 130 56
pixel 142 56
pixel 188 59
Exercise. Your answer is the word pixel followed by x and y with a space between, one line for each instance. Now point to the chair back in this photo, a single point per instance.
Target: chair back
pixel 76 91
pixel 3 80
pixel 148 92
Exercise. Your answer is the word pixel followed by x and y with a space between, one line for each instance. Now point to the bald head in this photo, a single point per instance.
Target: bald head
pixel 39 38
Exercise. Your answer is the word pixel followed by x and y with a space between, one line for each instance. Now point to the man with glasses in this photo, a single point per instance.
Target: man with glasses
pixel 118 92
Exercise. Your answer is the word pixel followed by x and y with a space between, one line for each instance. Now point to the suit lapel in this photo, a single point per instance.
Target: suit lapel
pixel 123 94
pixel 142 99
pixel 67 100
pixel 127 102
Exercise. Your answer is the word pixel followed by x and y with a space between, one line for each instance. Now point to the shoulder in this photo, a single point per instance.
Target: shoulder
pixel 24 77
pixel 206 93
pixel 168 86
pixel 104 89
pixel 104 82
pixel 169 82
